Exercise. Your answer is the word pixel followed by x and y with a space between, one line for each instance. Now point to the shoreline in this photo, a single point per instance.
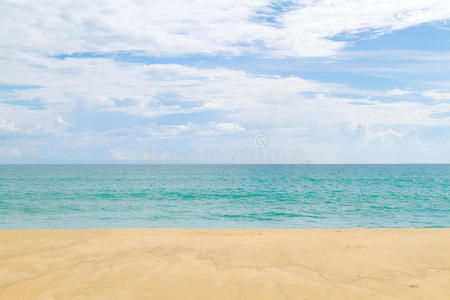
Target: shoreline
pixel 169 263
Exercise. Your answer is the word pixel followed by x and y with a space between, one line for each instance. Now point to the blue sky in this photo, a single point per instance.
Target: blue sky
pixel 266 81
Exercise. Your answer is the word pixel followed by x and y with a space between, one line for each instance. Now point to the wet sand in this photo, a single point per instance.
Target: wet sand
pixel 225 264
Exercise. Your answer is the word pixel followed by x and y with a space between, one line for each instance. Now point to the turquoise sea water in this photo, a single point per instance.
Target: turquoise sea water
pixel 299 196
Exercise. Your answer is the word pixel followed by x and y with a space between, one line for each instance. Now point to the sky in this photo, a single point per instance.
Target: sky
pixel 248 81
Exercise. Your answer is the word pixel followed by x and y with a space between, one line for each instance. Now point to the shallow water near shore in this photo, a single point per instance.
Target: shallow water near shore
pixel 227 196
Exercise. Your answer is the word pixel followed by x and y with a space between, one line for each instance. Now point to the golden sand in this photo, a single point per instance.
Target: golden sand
pixel 225 264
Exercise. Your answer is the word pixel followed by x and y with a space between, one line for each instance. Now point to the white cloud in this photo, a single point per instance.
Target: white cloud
pixel 100 84
pixel 188 130
pixel 8 127
pixel 210 27
pixel 7 152
pixel 398 92
pixel 215 128
pixel 317 21
pixel 327 110
pixel 121 155
pixel 17 121
pixel 437 95
pixel 382 134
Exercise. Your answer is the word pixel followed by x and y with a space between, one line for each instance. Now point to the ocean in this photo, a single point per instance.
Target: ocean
pixel 224 196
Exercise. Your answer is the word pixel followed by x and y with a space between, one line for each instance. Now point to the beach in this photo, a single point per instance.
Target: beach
pixel 225 264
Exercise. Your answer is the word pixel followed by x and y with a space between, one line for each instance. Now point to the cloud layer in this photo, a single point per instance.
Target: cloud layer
pixel 70 80
pixel 168 28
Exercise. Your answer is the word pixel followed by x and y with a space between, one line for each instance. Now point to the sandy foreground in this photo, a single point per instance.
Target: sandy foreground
pixel 225 264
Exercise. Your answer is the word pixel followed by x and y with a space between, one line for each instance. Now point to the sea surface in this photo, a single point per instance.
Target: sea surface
pixel 215 196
